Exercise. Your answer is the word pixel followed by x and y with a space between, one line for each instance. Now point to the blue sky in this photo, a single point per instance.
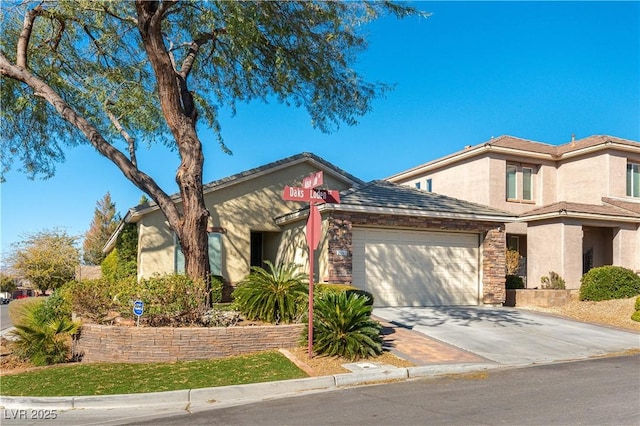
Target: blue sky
pixel 536 70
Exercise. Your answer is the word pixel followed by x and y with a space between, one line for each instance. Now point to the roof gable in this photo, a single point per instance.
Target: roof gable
pixel 237 178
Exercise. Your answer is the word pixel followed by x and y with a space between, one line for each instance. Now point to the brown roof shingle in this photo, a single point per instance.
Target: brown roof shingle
pixel 579 208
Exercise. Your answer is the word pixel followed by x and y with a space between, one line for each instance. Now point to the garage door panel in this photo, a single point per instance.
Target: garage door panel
pixel 406 268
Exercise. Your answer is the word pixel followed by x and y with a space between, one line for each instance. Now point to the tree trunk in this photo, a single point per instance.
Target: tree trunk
pixel 179 111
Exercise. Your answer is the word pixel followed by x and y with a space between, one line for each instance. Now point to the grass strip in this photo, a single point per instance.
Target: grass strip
pixel 112 379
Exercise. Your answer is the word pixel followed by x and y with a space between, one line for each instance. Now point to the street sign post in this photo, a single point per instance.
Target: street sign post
pixel 310 193
pixel 138 310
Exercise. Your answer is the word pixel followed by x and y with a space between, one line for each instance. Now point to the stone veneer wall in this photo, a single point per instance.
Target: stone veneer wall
pixel 340 235
pixel 102 343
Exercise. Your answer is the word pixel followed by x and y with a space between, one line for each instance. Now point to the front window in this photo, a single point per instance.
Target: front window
pixel 511 182
pixel 633 180
pixel 527 183
pixel 519 182
pixel 215 255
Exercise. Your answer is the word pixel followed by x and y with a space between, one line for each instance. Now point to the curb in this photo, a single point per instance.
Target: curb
pixel 235 394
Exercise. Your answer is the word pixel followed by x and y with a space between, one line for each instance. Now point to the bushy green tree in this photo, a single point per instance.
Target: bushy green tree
pixel 7 283
pixel 114 74
pixel 104 223
pixel 47 259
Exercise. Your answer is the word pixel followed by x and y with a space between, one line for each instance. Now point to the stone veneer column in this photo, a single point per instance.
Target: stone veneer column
pixel 494 267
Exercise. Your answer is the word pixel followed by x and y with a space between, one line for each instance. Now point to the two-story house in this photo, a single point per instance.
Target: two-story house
pixel 578 204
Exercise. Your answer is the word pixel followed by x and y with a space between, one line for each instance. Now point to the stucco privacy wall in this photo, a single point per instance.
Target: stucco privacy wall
pixel 557 247
pixel 102 343
pixel 340 242
pixel 240 208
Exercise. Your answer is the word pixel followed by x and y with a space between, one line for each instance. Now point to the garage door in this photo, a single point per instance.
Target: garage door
pixel 412 268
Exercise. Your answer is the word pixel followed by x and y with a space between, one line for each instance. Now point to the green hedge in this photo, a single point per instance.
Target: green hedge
pixel 514 282
pixel 609 282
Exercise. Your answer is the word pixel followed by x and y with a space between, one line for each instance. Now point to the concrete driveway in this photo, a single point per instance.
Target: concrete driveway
pixel 511 336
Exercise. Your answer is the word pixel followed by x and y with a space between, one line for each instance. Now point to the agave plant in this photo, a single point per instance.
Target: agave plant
pixel 276 294
pixel 44 342
pixel 342 326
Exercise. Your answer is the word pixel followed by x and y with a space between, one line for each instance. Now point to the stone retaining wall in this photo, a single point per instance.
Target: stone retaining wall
pixel 103 343
pixel 543 298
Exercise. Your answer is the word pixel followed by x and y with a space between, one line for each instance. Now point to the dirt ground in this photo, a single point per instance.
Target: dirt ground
pixel 613 313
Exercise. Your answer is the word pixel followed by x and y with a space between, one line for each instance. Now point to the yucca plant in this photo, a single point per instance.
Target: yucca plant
pixel 276 294
pixel 44 342
pixel 342 326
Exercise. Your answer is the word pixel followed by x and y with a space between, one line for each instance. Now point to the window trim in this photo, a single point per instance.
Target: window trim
pixel 515 175
pixel 633 179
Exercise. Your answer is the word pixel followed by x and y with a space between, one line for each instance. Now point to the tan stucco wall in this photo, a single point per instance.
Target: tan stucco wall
pixel 294 249
pixel 626 246
pixel 240 209
pixel 469 180
pixel 557 247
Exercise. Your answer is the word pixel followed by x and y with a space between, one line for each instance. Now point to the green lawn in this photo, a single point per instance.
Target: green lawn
pixel 110 379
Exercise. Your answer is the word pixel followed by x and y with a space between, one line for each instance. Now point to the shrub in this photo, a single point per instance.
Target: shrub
pixel 171 300
pixel 217 286
pixel 342 326
pixel 56 306
pixel 513 262
pixel 18 308
pixel 636 315
pixel 554 281
pixel 609 282
pixel 273 295
pixel 43 342
pixel 94 299
pixel 363 293
pixel 514 282
pixel 323 288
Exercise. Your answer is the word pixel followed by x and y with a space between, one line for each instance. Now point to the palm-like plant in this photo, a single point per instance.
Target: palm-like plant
pixel 342 326
pixel 276 294
pixel 44 342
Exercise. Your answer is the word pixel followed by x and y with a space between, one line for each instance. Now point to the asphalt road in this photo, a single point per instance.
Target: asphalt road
pixel 4 317
pixel 596 392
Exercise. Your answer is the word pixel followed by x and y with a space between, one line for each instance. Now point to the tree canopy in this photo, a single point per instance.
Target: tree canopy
pixel 118 74
pixel 47 259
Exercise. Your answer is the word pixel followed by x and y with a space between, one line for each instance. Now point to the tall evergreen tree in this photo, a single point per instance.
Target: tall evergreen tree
pixel 104 223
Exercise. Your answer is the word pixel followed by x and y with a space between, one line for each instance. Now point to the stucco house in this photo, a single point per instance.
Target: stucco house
pixel 578 204
pixel 408 247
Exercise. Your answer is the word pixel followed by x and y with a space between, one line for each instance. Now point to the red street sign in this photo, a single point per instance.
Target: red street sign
pixel 313 180
pixel 298 193
pixel 314 227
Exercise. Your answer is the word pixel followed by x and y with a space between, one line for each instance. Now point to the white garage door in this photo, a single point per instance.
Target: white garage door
pixel 413 268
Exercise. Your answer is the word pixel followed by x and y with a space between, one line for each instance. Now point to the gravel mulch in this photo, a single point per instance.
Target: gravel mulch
pixel 613 313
